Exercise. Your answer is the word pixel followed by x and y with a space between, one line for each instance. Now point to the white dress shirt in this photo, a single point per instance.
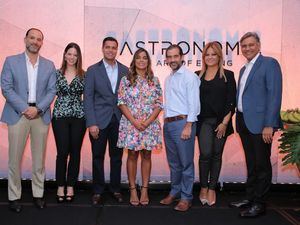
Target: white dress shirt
pixel 182 94
pixel 243 81
pixel 32 72
pixel 112 73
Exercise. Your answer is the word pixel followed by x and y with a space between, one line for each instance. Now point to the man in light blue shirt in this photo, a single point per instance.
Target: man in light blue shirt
pixel 182 105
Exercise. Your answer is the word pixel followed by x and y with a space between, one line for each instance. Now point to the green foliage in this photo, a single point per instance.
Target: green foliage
pixel 290 144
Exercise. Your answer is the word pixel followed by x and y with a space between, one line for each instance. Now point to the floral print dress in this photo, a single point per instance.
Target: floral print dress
pixel 141 100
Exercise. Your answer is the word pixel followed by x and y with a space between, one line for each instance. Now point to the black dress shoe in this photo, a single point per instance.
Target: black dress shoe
pixel 254 211
pixel 240 204
pixel 118 196
pixel 96 199
pixel 39 203
pixel 15 206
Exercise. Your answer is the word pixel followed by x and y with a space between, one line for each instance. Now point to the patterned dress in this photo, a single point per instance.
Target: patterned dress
pixel 141 100
pixel 69 97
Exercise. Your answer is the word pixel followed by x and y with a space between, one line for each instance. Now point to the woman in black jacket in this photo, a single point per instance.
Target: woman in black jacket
pixel 218 100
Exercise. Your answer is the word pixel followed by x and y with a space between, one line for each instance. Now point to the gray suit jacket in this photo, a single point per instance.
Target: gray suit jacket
pixel 100 103
pixel 14 84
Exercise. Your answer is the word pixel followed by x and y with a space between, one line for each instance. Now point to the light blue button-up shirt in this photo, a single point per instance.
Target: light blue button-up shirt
pixel 112 73
pixel 182 94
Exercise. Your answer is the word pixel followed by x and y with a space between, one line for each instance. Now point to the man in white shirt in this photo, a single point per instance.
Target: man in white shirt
pixel 182 105
pixel 28 85
pixel 258 116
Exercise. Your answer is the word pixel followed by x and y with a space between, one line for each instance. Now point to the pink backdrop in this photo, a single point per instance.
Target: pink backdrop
pixel 152 24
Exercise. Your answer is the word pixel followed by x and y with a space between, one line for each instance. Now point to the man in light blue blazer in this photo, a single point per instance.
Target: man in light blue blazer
pixel 102 117
pixel 258 116
pixel 28 85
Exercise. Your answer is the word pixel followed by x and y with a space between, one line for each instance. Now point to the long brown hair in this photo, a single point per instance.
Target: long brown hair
pixel 79 70
pixel 132 75
pixel 218 50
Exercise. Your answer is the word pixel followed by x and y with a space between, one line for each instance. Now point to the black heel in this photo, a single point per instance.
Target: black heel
pixel 70 198
pixel 60 199
pixel 133 202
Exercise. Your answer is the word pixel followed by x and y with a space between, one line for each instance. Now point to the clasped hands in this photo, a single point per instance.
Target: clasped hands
pixel 141 125
pixel 31 113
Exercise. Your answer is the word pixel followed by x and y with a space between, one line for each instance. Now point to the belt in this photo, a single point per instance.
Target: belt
pixel 32 104
pixel 175 118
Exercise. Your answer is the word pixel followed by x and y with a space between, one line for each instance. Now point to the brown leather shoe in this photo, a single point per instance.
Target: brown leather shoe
pixel 183 205
pixel 96 199
pixel 168 200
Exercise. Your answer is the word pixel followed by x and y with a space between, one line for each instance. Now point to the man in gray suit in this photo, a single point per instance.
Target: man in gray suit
pixel 103 116
pixel 28 85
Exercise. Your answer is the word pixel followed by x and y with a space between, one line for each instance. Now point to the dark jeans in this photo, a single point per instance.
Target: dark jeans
pixel 259 168
pixel 68 133
pixel 211 149
pixel 110 134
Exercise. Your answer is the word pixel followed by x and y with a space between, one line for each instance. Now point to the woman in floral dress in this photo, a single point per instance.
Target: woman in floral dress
pixel 68 121
pixel 140 100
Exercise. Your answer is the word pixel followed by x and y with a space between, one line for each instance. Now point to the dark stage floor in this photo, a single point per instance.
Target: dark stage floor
pixel 283 209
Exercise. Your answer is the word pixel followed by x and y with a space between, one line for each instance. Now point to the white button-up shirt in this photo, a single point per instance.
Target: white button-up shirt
pixel 182 94
pixel 243 81
pixel 112 73
pixel 32 72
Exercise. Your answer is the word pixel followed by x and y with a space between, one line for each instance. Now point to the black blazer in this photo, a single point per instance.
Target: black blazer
pixel 224 99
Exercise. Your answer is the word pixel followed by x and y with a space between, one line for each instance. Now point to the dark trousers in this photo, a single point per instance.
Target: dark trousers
pixel 68 133
pixel 211 149
pixel 259 168
pixel 110 134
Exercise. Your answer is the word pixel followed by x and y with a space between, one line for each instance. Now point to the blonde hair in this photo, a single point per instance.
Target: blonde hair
pixel 216 46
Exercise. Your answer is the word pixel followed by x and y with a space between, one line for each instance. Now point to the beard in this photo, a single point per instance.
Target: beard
pixel 33 48
pixel 175 65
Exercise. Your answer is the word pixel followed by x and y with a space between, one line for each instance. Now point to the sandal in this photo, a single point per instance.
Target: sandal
pixel 133 202
pixel 144 202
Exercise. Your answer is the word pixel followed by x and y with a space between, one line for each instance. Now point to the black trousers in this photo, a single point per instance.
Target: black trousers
pixel 259 168
pixel 110 135
pixel 211 149
pixel 68 134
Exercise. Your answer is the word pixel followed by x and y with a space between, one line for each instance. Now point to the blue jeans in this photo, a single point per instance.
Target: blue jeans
pixel 180 155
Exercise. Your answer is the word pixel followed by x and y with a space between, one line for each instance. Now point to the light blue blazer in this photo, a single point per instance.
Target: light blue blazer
pixel 262 95
pixel 14 85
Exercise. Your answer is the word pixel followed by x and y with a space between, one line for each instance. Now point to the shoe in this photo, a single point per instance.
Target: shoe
pixel 96 199
pixel 211 197
pixel 133 202
pixel 168 200
pixel 183 205
pixel 39 203
pixel 240 204
pixel 254 211
pixel 60 199
pixel 70 194
pixel 70 198
pixel 15 206
pixel 118 197
pixel 203 196
pixel 144 202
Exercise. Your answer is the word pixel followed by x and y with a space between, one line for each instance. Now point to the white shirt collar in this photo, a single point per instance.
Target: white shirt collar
pixel 253 60
pixel 108 65
pixel 28 60
pixel 180 70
